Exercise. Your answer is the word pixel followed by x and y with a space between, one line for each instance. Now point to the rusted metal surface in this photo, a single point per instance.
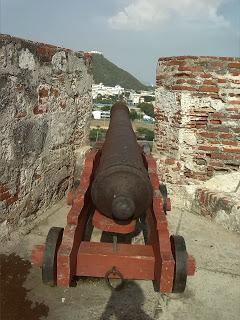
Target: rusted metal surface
pixel 121 188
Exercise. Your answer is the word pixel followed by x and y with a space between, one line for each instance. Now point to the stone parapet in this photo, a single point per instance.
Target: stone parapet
pixel 45 112
pixel 197 133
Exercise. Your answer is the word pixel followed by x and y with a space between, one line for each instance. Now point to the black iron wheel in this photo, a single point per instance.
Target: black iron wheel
pixel 49 267
pixel 180 256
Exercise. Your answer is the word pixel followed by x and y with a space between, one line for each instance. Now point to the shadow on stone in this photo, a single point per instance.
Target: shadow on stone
pixel 126 304
pixel 14 304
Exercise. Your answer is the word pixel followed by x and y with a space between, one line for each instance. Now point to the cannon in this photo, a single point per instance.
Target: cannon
pixel 121 188
pixel 120 195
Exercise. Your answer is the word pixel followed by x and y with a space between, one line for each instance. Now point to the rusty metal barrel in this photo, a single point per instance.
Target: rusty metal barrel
pixel 121 187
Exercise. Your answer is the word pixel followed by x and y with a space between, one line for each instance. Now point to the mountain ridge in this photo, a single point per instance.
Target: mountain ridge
pixel 108 73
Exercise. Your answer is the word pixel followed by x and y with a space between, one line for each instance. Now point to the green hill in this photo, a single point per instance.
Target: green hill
pixel 109 74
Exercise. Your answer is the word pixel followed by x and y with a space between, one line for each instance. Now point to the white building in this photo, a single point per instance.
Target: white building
pixel 96 52
pixel 101 89
pixel 98 114
pixel 136 98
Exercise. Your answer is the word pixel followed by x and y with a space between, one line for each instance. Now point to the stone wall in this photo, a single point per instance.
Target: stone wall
pixel 45 110
pixel 197 132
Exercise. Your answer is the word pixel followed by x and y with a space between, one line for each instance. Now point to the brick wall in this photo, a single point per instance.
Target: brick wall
pixel 197 132
pixel 45 109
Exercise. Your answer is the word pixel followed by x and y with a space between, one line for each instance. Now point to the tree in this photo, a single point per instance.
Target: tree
pixel 133 115
pixel 149 98
pixel 106 108
pixel 145 134
pixel 147 108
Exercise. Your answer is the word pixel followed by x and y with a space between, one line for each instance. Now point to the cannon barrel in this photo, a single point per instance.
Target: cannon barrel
pixel 121 187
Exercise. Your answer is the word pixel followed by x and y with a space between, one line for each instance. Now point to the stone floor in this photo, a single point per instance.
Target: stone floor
pixel 213 293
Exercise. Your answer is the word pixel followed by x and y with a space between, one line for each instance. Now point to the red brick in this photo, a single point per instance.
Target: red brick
pixel 221 156
pixel 178 58
pixel 43 92
pixel 234 65
pixel 187 57
pixel 226 135
pixel 208 89
pixel 215 121
pixel 180 81
pixel 183 74
pixel 235 116
pixel 160 77
pixel 4 196
pixel 232 109
pixel 237 102
pixel 175 63
pixel 207 148
pixel 170 161
pixel 222 80
pixel 40 109
pixel 230 143
pixel 200 126
pixel 226 58
pixel 11 200
pixel 191 68
pixel 46 52
pixel 208 134
pixel 206 75
pixel 187 88
pixel 209 82
pixel 235 150
pixel 215 163
pixel 212 127
pixel 218 115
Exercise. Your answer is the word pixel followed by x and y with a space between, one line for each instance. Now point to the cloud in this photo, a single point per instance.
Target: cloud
pixel 143 14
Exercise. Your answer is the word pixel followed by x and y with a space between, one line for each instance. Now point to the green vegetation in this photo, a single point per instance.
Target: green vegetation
pixel 133 115
pixel 109 74
pixel 147 108
pixel 106 108
pixel 145 134
pixel 97 134
pixel 149 98
pixel 107 99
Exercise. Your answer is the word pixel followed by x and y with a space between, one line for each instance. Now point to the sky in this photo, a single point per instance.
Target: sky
pixel 131 33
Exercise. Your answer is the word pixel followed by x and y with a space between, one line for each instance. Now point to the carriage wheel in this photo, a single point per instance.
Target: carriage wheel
pixel 49 267
pixel 180 256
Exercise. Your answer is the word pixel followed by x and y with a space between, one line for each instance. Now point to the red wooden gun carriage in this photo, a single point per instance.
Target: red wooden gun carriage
pixel 119 190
